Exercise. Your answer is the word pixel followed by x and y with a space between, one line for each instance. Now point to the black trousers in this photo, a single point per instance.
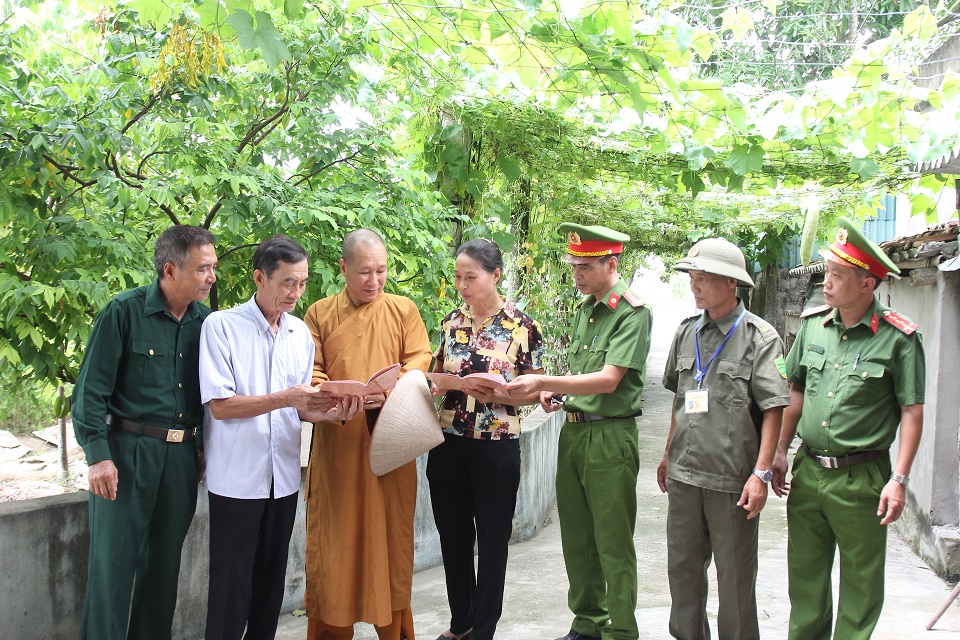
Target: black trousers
pixel 473 487
pixel 249 542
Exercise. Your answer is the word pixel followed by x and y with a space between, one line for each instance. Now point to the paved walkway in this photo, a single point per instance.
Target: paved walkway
pixel 535 602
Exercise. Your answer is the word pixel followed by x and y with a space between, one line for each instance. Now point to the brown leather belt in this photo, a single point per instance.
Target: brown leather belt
pixel 143 429
pixel 830 462
pixel 580 416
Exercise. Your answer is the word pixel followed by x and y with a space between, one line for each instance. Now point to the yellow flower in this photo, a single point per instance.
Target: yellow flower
pixel 462 336
pixel 517 332
pixel 509 324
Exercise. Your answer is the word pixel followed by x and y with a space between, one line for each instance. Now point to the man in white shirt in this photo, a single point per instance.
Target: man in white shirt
pixel 256 364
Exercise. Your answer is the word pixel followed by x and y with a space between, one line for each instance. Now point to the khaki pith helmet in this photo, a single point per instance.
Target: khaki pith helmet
pixel 718 256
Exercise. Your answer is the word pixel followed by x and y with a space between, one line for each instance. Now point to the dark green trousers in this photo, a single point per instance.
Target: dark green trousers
pixel 597 468
pixel 704 524
pixel 135 540
pixel 829 509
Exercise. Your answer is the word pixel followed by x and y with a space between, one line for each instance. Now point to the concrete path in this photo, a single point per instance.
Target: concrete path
pixel 535 600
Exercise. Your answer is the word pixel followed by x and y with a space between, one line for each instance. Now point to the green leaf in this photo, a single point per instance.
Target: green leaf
pixel 692 181
pixel 511 169
pixel 292 8
pixel 697 154
pixel 865 168
pixel 745 158
pixel 264 36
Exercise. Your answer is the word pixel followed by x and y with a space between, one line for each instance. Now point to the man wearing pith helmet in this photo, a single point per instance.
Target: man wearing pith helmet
pixel 598 458
pixel 856 372
pixel 726 370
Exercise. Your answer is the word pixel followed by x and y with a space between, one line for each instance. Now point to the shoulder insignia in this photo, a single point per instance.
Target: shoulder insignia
pixel 633 299
pixel 812 311
pixel 900 322
pixel 781 366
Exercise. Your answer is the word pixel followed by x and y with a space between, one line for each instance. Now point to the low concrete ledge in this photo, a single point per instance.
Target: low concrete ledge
pixel 937 545
pixel 44 544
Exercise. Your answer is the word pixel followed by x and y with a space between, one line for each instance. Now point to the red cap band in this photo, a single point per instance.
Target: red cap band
pixel 594 248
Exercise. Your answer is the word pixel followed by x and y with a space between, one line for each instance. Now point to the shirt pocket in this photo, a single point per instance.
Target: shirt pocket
pixel 866 384
pixel 813 363
pixel 732 384
pixel 685 373
pixel 596 355
pixel 151 358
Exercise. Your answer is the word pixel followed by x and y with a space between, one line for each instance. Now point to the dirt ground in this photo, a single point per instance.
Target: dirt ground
pixel 30 465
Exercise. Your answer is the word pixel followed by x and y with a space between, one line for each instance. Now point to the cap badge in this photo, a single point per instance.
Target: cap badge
pixel 574 238
pixel 842 235
pixel 693 252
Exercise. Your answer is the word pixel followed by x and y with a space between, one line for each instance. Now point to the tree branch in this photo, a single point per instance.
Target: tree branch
pixel 307 177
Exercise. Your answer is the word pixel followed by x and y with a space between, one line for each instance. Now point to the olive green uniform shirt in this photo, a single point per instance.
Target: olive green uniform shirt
pixel 855 380
pixel 611 331
pixel 717 450
pixel 141 364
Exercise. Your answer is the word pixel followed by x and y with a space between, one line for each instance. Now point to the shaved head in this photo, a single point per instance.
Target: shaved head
pixel 361 238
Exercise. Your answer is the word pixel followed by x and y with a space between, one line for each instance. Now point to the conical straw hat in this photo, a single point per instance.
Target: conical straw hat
pixel 407 426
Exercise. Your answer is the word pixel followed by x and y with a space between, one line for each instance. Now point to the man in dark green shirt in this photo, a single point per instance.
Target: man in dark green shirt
pixel 726 368
pixel 136 411
pixel 598 457
pixel 857 372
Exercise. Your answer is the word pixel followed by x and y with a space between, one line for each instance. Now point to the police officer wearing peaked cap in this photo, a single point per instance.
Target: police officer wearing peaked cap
pixel 725 368
pixel 857 372
pixel 598 457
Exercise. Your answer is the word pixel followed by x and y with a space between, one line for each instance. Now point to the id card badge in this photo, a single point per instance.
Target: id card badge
pixel 696 401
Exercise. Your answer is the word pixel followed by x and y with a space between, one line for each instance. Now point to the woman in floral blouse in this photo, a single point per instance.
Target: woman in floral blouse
pixel 474 475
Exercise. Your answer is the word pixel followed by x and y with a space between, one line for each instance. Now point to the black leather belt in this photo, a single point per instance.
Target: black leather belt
pixel 580 416
pixel 839 462
pixel 143 429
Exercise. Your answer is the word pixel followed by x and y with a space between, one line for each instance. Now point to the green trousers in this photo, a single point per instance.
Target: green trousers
pixel 829 509
pixel 597 466
pixel 135 540
pixel 704 524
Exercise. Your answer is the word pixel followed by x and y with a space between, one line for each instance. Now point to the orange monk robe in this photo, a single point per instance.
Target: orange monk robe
pixel 359 526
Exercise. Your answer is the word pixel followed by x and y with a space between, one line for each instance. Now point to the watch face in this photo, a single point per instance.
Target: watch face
pixel 766 475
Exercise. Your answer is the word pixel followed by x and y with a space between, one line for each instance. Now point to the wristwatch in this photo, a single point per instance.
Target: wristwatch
pixel 899 478
pixel 764 474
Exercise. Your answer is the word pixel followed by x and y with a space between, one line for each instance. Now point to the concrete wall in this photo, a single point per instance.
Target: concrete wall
pixel 43 547
pixel 930 522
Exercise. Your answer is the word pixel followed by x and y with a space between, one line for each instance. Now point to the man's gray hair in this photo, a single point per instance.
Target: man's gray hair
pixel 360 237
pixel 174 245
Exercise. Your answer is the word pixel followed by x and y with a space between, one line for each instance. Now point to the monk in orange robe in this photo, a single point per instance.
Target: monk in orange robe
pixel 360 526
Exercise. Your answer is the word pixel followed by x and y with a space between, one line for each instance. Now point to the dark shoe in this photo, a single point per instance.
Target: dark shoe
pixel 576 635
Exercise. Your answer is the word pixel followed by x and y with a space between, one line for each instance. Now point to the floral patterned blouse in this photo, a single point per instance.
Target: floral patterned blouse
pixel 508 343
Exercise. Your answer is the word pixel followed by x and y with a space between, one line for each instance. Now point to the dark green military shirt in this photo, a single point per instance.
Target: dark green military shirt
pixel 142 364
pixel 856 379
pixel 612 331
pixel 717 450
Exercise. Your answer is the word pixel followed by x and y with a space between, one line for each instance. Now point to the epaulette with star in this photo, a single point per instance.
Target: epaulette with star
pixel 634 300
pixel 900 322
pixel 812 311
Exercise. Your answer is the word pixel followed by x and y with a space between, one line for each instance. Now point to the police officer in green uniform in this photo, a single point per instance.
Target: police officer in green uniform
pixel 726 368
pixel 856 372
pixel 136 411
pixel 598 458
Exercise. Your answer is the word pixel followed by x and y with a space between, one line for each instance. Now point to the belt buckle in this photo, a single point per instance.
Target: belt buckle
pixel 174 435
pixel 828 463
pixel 575 416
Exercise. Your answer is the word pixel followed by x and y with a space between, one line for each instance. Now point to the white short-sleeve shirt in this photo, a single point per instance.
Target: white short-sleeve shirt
pixel 241 355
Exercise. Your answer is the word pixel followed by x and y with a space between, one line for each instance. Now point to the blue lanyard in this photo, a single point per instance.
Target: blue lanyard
pixel 700 373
